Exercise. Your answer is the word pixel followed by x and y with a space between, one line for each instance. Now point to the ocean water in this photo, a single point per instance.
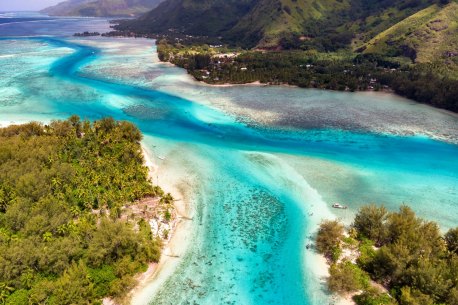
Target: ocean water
pixel 260 165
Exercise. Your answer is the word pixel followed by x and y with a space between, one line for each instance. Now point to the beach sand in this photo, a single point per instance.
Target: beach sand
pixel 151 280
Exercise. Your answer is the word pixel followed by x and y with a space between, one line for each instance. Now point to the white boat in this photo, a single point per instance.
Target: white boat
pixel 161 158
pixel 338 206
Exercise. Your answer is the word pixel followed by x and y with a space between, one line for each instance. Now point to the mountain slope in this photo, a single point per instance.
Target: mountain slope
pixel 204 17
pixel 426 36
pixel 244 22
pixel 270 20
pixel 324 25
pixel 105 8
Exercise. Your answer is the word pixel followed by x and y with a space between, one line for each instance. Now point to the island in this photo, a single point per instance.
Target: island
pixel 76 212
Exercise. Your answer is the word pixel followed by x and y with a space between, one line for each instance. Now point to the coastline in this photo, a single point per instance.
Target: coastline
pixel 253 84
pixel 257 83
pixel 322 269
pixel 172 247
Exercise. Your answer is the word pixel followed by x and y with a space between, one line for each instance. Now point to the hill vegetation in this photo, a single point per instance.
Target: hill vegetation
pixel 101 8
pixel 63 187
pixel 429 36
pixel 395 258
pixel 267 24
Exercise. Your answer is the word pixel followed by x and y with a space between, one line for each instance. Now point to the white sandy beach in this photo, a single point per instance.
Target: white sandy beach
pixel 151 280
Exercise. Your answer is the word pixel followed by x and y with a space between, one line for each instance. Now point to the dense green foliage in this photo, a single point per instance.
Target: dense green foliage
pixel 324 25
pixel 62 189
pixel 347 277
pixel 328 240
pixel 424 83
pixel 203 18
pixel 413 262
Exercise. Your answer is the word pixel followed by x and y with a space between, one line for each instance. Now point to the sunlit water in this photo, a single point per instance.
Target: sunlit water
pixel 260 165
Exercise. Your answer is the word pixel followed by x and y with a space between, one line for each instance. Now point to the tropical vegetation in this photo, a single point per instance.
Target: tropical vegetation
pixel 400 258
pixel 63 189
pixel 341 70
pixel 406 46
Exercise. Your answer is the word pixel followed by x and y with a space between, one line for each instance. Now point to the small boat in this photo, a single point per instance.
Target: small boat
pixel 161 158
pixel 338 206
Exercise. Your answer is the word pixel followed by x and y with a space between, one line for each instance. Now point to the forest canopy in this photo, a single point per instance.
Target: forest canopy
pixel 62 190
pixel 405 255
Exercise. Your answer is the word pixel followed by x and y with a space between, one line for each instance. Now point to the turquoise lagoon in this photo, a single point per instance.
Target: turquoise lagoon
pixel 259 165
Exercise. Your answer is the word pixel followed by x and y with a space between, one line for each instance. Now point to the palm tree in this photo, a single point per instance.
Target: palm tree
pixel 47 237
pixel 75 211
pixel 55 183
pixel 27 278
pixel 62 229
pixel 5 291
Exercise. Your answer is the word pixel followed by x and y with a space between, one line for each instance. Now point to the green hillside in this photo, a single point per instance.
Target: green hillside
pixel 208 17
pixel 325 25
pixel 105 8
pixel 429 36
pixel 409 47
pixel 269 20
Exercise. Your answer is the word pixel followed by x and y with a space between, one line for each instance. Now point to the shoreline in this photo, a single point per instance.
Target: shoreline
pixel 155 271
pixel 257 83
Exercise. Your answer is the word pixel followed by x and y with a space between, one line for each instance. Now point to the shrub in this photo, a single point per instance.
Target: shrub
pixel 374 297
pixel 451 238
pixel 329 238
pixel 370 223
pixel 367 254
pixel 412 296
pixel 347 277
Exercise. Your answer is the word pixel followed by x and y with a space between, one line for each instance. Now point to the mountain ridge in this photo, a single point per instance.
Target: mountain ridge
pixel 102 8
pixel 305 24
pixel 432 33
